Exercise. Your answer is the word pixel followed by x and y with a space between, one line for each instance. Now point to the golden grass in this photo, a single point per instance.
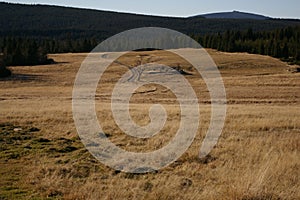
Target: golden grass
pixel 257 156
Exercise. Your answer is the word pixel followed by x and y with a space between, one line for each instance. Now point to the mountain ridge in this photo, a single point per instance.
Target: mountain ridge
pixel 27 30
pixel 235 15
pixel 44 21
pixel 215 15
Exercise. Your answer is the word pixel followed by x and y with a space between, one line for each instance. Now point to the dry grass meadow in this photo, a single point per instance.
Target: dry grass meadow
pixel 257 155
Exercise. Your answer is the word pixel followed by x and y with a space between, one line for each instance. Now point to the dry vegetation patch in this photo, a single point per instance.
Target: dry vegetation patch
pixel 257 156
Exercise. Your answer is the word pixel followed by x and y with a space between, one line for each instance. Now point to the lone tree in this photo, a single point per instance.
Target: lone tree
pixel 4 72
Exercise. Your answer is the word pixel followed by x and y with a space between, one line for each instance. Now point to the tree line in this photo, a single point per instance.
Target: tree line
pixel 4 72
pixel 31 51
pixel 281 43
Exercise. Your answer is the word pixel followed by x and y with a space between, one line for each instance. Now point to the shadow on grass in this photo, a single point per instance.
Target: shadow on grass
pixel 23 77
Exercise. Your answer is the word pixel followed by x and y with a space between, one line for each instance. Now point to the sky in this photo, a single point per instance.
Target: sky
pixel 183 8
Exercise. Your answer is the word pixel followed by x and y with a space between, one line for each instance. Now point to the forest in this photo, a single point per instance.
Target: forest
pixel 281 43
pixel 29 32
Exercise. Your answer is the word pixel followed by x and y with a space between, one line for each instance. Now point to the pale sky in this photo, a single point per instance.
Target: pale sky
pixel 272 8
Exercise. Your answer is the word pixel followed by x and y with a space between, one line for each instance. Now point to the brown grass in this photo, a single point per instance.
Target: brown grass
pixel 257 156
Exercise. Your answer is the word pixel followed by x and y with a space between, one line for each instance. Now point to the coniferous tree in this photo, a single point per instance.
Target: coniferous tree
pixel 4 72
pixel 282 43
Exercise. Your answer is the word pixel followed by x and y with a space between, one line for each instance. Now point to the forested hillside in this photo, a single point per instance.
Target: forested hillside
pixel 281 43
pixel 29 32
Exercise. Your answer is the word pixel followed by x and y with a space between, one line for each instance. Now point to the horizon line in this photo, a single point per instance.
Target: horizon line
pixel 148 14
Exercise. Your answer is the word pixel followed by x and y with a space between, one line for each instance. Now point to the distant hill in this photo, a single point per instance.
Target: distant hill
pixel 235 15
pixel 44 21
pixel 29 32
